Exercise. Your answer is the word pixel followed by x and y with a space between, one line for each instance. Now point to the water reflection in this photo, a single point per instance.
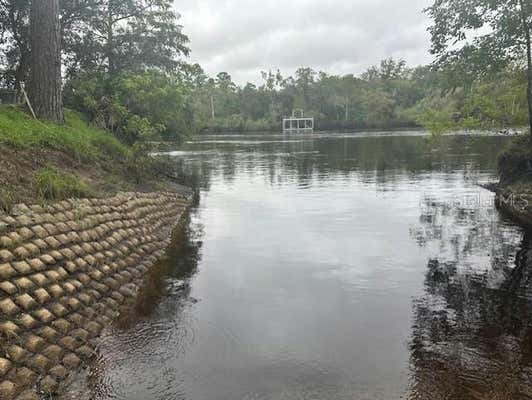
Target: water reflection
pixel 472 331
pixel 170 276
pixel 302 260
pixel 371 159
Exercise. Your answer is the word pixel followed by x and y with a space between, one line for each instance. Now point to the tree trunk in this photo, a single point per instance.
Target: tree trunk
pixel 44 88
pixel 525 12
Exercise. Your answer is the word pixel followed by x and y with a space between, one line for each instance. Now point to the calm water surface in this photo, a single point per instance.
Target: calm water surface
pixel 368 266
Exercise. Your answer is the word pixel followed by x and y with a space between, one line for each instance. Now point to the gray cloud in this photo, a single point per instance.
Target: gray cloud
pixel 243 37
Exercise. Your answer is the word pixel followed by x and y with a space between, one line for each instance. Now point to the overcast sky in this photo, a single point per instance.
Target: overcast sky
pixel 243 37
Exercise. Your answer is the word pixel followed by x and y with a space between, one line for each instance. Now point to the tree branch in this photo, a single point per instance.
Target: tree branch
pixel 134 14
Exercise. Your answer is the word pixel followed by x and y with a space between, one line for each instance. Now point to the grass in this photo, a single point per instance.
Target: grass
pixel 75 137
pixel 55 185
pixel 8 198
pixel 43 161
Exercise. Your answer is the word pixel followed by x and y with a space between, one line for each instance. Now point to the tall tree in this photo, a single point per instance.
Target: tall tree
pixel 488 34
pixel 45 66
pixel 122 35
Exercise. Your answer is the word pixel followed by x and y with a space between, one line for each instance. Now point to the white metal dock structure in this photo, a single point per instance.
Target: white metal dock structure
pixel 298 123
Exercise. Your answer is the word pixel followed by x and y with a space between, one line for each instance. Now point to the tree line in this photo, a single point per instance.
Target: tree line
pixel 123 64
pixel 388 95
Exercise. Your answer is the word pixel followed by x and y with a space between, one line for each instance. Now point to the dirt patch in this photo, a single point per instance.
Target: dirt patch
pixel 19 168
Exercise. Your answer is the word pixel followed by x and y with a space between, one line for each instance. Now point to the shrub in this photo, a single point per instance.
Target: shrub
pixel 135 107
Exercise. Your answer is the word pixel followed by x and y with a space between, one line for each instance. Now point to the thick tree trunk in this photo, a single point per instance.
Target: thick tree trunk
pixel 45 62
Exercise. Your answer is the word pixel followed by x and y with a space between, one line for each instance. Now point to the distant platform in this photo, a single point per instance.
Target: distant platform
pixel 298 124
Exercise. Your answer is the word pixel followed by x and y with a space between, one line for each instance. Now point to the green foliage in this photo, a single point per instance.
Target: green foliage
pixel 390 95
pixel 335 100
pixel 498 36
pixel 497 101
pixel 124 72
pixel 98 35
pixel 139 164
pixel 75 137
pixel 477 39
pixel 437 122
pixel 500 101
pixel 136 107
pixel 117 36
pixel 52 184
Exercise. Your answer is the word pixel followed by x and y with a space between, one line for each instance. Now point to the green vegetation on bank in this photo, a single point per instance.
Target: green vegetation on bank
pixel 390 95
pixel 135 107
pixel 130 76
pixel 75 137
pixel 154 105
pixel 45 161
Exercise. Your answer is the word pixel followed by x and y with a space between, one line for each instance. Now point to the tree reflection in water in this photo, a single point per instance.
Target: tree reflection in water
pixel 472 329
pixel 169 275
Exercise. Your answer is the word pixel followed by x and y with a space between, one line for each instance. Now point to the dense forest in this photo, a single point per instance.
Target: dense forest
pixel 390 95
pixel 124 65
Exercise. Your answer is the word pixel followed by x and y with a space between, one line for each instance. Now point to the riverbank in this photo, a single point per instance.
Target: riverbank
pixel 83 218
pixel 44 162
pixel 66 271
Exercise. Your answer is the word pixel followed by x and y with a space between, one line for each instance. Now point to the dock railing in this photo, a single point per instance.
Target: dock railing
pixel 298 123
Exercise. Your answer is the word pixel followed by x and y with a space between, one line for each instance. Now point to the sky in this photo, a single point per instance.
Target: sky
pixel 245 37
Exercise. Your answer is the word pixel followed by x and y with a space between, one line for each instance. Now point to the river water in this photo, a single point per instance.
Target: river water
pixel 361 266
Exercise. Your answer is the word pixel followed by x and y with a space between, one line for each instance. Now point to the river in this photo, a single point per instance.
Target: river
pixel 357 266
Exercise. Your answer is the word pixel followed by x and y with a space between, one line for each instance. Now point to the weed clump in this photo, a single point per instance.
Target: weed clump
pixel 7 199
pixel 54 185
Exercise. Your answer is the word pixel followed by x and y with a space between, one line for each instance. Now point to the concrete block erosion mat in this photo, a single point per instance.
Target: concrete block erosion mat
pixel 65 271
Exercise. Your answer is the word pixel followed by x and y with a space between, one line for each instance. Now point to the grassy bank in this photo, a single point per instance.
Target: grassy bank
pixel 75 137
pixel 43 161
